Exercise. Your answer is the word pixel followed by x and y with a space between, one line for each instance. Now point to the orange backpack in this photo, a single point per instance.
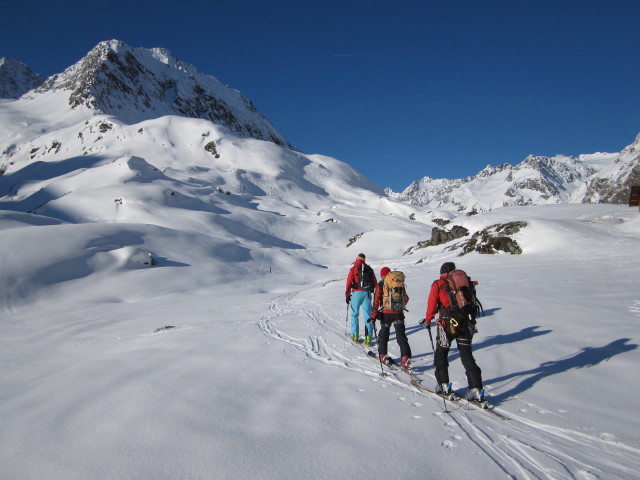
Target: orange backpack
pixel 394 292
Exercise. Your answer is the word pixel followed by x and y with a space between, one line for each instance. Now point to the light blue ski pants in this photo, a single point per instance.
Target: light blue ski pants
pixel 361 298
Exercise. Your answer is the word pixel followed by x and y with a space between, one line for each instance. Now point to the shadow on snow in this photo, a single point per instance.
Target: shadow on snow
pixel 586 357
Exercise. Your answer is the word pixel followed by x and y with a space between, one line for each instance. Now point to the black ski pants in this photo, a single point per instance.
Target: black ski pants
pixel 474 374
pixel 397 320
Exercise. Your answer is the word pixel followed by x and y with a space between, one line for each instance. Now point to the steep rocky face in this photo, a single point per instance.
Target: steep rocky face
pixel 16 78
pixel 136 84
pixel 613 183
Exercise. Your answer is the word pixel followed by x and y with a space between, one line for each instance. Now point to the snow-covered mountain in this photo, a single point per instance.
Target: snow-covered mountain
pixel 611 183
pixel 136 84
pixel 16 78
pixel 172 306
pixel 600 177
pixel 70 152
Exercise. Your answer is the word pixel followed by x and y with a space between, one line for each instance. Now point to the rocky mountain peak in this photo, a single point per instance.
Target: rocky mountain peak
pixel 136 84
pixel 16 78
pixel 612 183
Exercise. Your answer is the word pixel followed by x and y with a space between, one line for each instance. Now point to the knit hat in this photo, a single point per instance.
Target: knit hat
pixel 384 271
pixel 362 256
pixel 447 267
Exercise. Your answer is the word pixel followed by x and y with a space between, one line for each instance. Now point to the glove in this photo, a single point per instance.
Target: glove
pixel 425 324
pixel 472 328
pixel 348 298
pixel 371 320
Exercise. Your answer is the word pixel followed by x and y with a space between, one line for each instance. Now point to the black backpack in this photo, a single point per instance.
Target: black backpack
pixel 364 276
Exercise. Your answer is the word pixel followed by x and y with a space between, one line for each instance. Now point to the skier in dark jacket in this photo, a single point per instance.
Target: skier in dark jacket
pixel 387 318
pixel 439 303
pixel 361 282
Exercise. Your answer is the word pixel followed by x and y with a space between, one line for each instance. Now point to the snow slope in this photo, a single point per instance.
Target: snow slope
pixel 256 380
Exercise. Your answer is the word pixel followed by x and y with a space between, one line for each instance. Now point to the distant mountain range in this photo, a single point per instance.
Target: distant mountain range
pixel 595 178
pixel 136 84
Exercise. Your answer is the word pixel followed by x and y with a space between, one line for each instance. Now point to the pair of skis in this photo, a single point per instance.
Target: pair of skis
pixel 415 382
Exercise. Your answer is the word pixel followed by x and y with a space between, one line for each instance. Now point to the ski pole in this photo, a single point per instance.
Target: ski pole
pixel 426 325
pixel 382 374
pixel 346 321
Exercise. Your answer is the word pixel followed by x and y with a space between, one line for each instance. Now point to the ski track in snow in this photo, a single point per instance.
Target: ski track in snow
pixel 520 447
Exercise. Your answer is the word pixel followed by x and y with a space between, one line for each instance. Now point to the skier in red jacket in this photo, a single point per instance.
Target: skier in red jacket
pixel 361 282
pixel 439 303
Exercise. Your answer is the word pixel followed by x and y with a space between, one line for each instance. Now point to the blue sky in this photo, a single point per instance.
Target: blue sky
pixel 399 90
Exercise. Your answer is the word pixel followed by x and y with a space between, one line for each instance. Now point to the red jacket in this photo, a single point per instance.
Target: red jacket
pixel 437 297
pixel 353 275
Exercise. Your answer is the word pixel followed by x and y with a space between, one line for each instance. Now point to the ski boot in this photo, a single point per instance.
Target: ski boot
pixel 405 362
pixel 444 389
pixel 476 395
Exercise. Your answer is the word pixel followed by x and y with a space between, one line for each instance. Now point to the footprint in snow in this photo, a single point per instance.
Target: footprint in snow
pixel 449 444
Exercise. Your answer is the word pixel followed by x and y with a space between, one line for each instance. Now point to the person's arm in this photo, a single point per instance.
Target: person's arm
pixel 433 302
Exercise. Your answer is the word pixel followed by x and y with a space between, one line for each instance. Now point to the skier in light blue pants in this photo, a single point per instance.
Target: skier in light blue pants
pixel 361 283
pixel 361 298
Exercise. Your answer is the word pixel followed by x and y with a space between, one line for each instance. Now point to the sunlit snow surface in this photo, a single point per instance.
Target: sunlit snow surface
pixel 256 379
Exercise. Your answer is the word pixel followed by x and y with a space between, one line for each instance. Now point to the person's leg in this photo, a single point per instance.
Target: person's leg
pixel 441 357
pixel 471 368
pixel 383 338
pixel 356 301
pixel 366 310
pixel 401 338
